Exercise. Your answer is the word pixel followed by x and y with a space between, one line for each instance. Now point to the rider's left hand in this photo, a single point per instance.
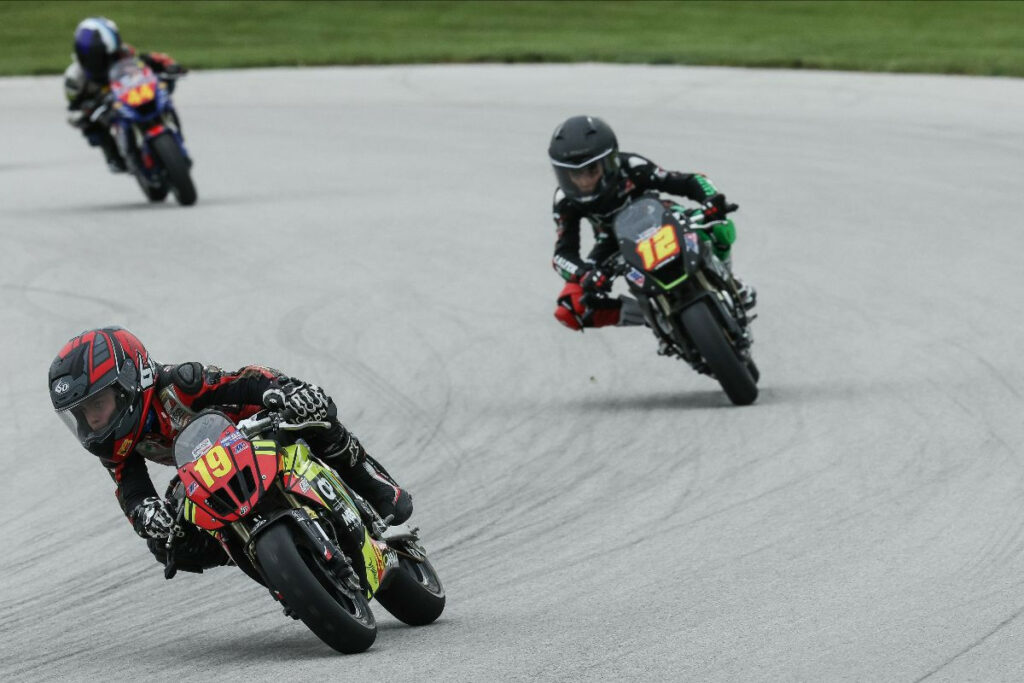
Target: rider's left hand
pixel 714 207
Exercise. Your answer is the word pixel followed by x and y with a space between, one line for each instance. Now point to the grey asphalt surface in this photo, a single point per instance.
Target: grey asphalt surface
pixel 597 512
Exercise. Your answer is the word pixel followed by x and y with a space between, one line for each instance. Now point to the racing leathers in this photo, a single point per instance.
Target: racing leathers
pixel 637 176
pixel 185 389
pixel 86 95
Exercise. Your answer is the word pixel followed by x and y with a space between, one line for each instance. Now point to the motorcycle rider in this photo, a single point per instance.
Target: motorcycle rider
pixel 125 409
pixel 596 181
pixel 97 47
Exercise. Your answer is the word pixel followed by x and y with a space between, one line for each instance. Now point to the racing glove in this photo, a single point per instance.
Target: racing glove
pixel 307 401
pixel 595 280
pixel 153 518
pixel 714 207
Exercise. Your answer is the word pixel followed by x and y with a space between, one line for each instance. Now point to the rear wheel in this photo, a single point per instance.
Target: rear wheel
pixel 414 595
pixel 730 371
pixel 338 615
pixel 167 150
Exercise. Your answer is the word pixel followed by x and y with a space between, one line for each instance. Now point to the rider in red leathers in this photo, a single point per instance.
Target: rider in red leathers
pixel 126 409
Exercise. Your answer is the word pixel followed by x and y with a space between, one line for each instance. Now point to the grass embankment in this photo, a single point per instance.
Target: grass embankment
pixel 939 36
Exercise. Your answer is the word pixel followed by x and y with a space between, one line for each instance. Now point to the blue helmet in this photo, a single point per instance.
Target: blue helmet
pixel 97 43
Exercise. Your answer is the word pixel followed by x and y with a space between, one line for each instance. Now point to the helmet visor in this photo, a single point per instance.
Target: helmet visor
pixel 95 417
pixel 589 179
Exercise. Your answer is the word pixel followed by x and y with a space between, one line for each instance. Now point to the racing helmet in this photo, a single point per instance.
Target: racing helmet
pixel 101 384
pixel 585 156
pixel 97 43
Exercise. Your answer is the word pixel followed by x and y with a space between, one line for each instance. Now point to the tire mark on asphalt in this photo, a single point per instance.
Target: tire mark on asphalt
pixel 998 627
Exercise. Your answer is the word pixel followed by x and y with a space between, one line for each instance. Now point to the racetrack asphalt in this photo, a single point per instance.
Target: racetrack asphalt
pixel 596 512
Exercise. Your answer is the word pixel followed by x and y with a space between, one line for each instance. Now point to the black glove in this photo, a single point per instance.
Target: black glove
pixel 307 401
pixel 595 280
pixel 714 207
pixel 153 518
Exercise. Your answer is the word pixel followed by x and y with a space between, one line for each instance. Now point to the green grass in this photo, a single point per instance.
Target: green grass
pixel 909 36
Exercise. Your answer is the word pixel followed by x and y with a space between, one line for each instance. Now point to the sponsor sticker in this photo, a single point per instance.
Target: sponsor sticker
pixel 231 438
pixel 201 448
pixel 692 242
pixel 191 488
pixel 636 277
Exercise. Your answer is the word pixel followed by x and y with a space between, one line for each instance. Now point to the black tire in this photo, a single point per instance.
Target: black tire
pixel 310 590
pixel 153 194
pixel 730 371
pixel 166 149
pixel 414 595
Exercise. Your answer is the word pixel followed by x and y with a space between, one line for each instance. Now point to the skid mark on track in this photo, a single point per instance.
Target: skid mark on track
pixel 998 627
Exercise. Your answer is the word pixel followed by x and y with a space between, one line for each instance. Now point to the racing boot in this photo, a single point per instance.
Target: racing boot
pixel 630 314
pixel 748 295
pixel 370 481
pixel 115 162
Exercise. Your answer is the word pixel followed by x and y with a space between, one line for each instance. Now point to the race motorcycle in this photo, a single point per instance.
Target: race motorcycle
pixel 289 522
pixel 688 297
pixel 145 126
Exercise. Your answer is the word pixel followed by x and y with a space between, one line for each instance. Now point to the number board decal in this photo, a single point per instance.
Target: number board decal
pixel 658 248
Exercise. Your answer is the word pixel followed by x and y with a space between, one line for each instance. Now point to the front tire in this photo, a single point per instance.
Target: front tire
pixel 338 616
pixel 414 595
pixel 167 150
pixel 153 194
pixel 730 371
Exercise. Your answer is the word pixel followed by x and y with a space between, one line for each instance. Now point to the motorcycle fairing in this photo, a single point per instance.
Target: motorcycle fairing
pixel 226 478
pixel 659 251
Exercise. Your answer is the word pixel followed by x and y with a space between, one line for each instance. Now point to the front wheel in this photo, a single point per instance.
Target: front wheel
pixel 414 595
pixel 153 194
pixel 169 152
pixel 337 615
pixel 727 367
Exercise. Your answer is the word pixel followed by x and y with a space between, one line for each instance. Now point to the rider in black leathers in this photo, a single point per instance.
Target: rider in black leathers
pixel 596 181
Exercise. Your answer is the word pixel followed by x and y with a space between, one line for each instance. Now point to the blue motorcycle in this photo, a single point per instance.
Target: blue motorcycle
pixel 147 131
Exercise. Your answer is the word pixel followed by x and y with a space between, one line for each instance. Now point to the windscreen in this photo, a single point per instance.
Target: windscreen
pixel 638 217
pixel 129 73
pixel 199 436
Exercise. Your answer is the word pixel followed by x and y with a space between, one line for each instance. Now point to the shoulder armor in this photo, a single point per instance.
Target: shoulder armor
pixel 187 376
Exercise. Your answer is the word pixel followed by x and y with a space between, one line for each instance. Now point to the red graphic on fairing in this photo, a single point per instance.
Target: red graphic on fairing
pixel 226 478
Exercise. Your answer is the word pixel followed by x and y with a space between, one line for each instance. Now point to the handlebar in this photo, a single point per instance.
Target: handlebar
pixel 260 422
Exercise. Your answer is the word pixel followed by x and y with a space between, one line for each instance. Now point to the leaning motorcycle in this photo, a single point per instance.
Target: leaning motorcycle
pixel 687 295
pixel 146 128
pixel 290 523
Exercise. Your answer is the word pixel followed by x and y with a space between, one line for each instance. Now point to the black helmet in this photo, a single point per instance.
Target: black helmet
pixel 585 156
pixel 97 43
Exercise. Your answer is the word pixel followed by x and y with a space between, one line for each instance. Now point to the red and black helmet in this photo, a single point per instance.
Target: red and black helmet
pixel 101 385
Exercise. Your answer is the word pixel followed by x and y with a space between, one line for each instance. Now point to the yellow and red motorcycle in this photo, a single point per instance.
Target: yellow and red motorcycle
pixel 289 522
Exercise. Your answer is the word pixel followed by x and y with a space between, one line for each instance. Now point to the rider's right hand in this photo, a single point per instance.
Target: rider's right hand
pixel 307 401
pixel 153 518
pixel 595 280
